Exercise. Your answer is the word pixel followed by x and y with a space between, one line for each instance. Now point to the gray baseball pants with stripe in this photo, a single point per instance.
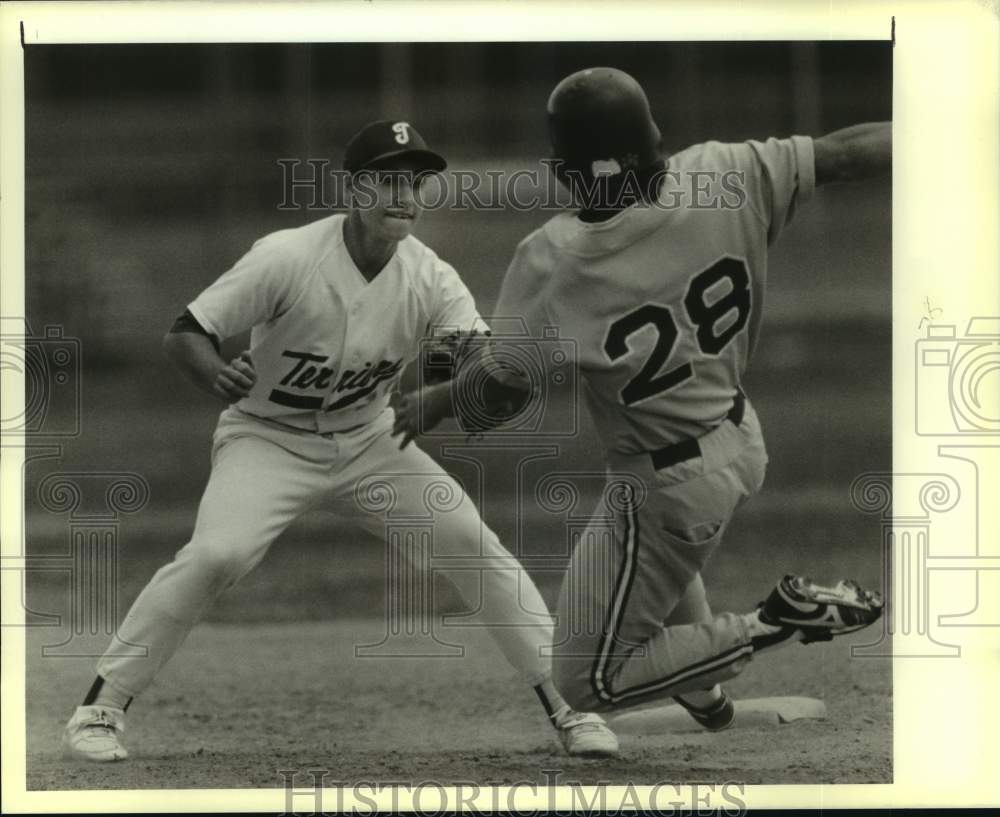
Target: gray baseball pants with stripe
pixel 633 622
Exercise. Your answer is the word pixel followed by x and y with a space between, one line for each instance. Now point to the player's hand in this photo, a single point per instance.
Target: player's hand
pixel 421 411
pixel 235 380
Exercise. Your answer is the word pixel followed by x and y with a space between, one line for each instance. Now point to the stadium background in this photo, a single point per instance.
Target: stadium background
pixel 151 169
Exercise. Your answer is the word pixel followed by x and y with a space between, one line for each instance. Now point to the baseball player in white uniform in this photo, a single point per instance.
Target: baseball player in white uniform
pixel 338 309
pixel 659 279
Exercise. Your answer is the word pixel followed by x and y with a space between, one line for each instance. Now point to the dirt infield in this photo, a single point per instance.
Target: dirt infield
pixel 270 682
pixel 240 703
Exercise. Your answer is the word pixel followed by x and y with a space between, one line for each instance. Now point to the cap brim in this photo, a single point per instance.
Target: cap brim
pixel 427 160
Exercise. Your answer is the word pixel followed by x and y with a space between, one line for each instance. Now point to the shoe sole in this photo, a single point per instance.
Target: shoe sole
pixel 594 752
pixel 69 753
pixel 592 746
pixel 797 593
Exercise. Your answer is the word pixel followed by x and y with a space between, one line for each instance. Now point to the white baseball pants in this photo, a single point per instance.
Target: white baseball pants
pixel 264 477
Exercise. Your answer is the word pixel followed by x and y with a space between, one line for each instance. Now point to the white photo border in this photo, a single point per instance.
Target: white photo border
pixel 945 249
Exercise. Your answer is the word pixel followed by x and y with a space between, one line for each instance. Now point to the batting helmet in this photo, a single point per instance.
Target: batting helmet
pixel 600 124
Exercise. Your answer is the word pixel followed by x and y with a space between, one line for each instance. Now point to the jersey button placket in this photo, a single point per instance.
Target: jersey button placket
pixel 354 359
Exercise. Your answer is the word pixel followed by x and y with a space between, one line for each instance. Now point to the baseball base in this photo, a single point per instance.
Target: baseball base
pixel 749 712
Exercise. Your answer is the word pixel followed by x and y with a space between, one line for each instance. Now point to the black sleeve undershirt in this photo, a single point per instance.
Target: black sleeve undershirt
pixel 188 323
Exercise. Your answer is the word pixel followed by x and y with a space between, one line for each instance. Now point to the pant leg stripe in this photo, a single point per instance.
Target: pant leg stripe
pixel 597 669
pixel 712 664
pixel 612 615
pixel 616 610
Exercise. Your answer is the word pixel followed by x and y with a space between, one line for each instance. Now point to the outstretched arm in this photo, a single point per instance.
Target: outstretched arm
pixel 480 393
pixel 854 154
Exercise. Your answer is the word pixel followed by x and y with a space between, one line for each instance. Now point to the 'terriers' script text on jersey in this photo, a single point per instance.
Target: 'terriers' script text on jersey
pixel 328 345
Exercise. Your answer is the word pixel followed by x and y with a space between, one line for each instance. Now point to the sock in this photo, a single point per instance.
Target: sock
pixel 703 698
pixel 764 637
pixel 102 694
pixel 554 704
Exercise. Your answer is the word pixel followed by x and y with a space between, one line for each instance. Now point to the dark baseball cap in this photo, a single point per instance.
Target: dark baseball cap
pixel 379 143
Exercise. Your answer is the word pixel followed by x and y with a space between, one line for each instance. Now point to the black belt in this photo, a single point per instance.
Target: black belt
pixel 689 449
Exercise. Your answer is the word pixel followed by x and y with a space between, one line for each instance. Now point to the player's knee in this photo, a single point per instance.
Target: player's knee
pixel 222 566
pixel 467 535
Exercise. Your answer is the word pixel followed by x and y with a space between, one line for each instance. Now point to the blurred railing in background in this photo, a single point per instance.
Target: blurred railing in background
pixel 116 118
pixel 151 168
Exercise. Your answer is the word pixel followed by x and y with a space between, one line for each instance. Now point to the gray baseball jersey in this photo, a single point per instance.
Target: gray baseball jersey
pixel 664 300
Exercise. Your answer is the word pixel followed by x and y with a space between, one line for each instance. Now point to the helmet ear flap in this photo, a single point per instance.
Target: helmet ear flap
pixel 573 179
pixel 658 140
pixel 600 123
pixel 557 166
pixel 565 162
pixel 557 160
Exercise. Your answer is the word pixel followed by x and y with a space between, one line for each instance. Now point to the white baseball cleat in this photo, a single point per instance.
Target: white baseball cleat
pixel 584 734
pixel 93 734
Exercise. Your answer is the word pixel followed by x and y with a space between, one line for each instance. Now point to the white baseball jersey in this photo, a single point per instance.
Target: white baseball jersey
pixel 329 346
pixel 664 300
